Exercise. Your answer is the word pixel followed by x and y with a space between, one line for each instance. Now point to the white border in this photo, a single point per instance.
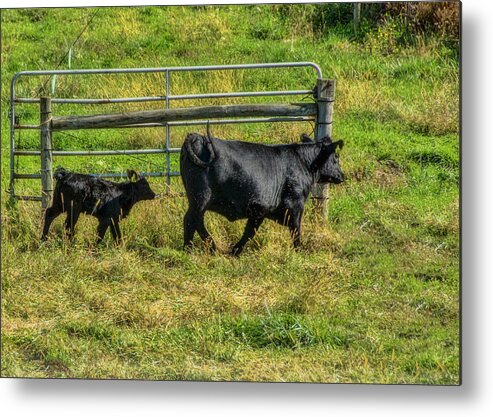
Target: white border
pixel 132 398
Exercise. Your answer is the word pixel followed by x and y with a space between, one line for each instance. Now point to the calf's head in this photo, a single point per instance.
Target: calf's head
pixel 142 188
pixel 326 163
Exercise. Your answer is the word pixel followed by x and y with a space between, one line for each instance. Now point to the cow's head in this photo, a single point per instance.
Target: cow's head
pixel 326 163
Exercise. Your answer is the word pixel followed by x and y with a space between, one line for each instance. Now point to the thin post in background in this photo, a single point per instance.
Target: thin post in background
pixel 356 16
pixel 325 103
pixel 46 152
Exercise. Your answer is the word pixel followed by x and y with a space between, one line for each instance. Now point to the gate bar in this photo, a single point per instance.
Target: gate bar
pixel 92 153
pixel 107 175
pixel 163 98
pixel 173 69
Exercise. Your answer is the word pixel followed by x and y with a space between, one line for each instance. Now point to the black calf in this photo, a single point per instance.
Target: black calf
pixel 107 201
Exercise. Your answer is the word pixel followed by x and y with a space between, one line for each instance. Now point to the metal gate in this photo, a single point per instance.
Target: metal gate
pixel 167 98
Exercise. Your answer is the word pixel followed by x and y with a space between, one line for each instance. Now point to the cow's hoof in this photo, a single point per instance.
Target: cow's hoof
pixel 211 249
pixel 236 251
pixel 210 245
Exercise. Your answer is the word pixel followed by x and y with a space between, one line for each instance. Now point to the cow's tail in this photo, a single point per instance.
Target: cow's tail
pixel 60 173
pixel 207 142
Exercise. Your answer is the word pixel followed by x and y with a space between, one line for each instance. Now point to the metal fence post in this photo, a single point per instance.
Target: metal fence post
pixel 46 152
pixel 325 102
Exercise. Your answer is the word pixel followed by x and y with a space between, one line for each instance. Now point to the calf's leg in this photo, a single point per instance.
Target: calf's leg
pixel 71 220
pixel 101 230
pixel 115 230
pixel 51 214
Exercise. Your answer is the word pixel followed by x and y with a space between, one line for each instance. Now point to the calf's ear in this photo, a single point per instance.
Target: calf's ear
pixel 132 175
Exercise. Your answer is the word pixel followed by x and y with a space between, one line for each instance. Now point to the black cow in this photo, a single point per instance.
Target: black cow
pixel 253 181
pixel 107 201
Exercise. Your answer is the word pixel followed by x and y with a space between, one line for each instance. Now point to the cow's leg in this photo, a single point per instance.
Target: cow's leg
pixel 51 214
pixel 204 233
pixel 72 216
pixel 189 228
pixel 294 224
pixel 194 222
pixel 115 230
pixel 251 228
pixel 102 227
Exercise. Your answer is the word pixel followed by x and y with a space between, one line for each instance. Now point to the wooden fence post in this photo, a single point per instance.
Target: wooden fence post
pixel 46 152
pixel 325 102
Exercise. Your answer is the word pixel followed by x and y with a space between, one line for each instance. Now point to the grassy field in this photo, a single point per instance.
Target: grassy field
pixel 372 297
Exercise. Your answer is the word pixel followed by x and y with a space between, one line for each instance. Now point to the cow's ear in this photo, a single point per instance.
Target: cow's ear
pixel 322 157
pixel 339 143
pixel 326 150
pixel 332 147
pixel 305 138
pixel 132 175
pixel 326 140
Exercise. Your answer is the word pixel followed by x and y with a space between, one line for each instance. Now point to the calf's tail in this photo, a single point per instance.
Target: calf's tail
pixel 207 142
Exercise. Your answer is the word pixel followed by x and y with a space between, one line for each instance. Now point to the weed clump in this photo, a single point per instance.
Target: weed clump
pixel 282 331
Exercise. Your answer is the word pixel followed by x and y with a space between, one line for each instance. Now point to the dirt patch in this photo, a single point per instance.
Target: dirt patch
pixel 389 174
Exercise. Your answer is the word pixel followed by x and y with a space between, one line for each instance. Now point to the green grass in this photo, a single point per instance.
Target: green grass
pixel 373 296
